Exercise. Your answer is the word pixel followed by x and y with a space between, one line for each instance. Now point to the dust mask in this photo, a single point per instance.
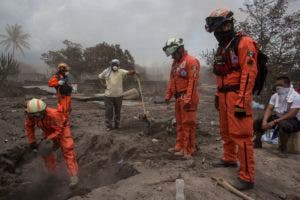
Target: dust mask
pixel 282 90
pixel 115 68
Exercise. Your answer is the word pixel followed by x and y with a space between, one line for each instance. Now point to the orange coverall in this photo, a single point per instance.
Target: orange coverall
pixel 238 132
pixel 64 101
pixel 55 127
pixel 183 84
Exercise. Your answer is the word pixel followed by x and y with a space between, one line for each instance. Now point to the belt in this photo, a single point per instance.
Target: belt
pixel 178 95
pixel 229 88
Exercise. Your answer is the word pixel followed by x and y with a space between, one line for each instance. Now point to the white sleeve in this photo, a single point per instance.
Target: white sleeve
pixel 124 72
pixel 102 75
pixel 273 99
pixel 296 102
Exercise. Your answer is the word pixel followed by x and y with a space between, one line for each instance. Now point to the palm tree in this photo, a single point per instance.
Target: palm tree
pixel 15 39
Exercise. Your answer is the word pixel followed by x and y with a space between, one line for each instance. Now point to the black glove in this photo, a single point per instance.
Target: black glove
pixel 217 102
pixel 239 112
pixel 33 147
pixel 55 145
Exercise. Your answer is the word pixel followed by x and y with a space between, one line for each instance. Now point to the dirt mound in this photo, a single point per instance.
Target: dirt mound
pixel 16 90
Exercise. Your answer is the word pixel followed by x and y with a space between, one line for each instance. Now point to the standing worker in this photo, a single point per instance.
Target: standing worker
pixel 112 79
pixel 183 85
pixel 235 66
pixel 60 81
pixel 56 130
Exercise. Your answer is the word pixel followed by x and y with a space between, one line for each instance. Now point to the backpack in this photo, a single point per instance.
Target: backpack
pixel 262 69
pixel 64 89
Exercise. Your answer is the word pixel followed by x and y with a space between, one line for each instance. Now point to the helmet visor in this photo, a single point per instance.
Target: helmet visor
pixel 212 23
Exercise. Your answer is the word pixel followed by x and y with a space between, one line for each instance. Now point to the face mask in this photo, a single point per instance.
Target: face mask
pixel 224 37
pixel 67 73
pixel 115 68
pixel 282 90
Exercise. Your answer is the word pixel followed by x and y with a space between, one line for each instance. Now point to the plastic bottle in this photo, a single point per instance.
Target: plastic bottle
pixel 180 189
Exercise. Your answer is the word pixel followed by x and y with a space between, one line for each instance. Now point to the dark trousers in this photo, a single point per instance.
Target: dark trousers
pixel 113 107
pixel 285 128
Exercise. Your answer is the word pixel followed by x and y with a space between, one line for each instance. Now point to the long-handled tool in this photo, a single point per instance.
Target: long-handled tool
pixel 145 115
pixel 230 188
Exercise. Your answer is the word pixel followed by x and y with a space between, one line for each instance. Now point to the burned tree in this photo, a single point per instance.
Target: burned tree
pixel 8 66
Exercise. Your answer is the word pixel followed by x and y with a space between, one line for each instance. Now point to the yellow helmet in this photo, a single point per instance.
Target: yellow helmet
pixel 63 67
pixel 35 105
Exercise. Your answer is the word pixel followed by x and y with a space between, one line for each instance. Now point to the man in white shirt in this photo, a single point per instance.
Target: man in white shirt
pixel 286 104
pixel 112 79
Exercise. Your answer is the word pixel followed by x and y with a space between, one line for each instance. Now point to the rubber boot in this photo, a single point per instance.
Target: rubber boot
pixel 243 185
pixel 222 163
pixel 283 140
pixel 257 144
pixel 73 181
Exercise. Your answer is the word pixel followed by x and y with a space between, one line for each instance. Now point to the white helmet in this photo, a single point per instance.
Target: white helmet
pixel 35 105
pixel 115 61
pixel 172 45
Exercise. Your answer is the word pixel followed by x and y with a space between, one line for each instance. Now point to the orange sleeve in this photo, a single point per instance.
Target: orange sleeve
pixel 247 53
pixel 29 128
pixel 53 82
pixel 170 90
pixel 57 123
pixel 193 76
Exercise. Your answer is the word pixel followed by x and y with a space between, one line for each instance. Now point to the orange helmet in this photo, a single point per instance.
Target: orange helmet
pixel 62 67
pixel 217 18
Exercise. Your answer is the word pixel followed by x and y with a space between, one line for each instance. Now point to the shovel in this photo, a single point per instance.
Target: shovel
pixel 145 116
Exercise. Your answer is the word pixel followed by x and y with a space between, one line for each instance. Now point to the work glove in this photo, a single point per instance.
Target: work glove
pixel 33 147
pixel 55 145
pixel 187 106
pixel 61 82
pixel 45 147
pixel 239 112
pixel 217 102
pixel 167 101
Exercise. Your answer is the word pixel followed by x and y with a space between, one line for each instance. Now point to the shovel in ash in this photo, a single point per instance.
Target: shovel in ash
pixel 145 116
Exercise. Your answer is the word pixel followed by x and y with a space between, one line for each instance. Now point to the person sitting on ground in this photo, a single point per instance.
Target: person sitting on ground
pixel 112 79
pixel 286 119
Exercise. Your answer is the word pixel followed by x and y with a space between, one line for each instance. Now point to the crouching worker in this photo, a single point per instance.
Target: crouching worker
pixel 57 133
pixel 286 119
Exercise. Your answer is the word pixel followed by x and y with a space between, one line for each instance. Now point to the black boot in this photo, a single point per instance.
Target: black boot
pixel 283 140
pixel 242 185
pixel 222 163
pixel 257 144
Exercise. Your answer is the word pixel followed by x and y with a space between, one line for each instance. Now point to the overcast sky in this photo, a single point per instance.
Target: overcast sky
pixel 141 26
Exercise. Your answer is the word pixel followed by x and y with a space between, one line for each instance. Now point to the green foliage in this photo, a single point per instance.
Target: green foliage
pixel 277 33
pixel 8 66
pixel 71 54
pixel 89 60
pixel 98 57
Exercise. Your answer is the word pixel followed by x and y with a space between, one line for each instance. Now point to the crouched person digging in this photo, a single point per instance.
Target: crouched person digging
pixel 57 134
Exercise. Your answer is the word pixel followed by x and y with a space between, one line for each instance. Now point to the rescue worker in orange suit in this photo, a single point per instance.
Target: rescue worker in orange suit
pixel 183 85
pixel 60 82
pixel 235 67
pixel 56 130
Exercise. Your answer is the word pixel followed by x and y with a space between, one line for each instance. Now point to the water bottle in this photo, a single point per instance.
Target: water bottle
pixel 180 189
